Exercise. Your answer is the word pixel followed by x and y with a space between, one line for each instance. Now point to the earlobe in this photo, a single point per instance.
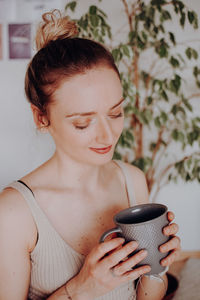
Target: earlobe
pixel 40 119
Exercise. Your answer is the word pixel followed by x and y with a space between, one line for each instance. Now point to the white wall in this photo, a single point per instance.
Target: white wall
pixel 22 148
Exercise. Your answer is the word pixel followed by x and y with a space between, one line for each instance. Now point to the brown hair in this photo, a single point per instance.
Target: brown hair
pixel 60 56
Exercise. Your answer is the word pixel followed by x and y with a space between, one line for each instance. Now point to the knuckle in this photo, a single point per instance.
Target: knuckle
pixel 100 249
pixel 111 259
pixel 139 256
pixel 94 273
pixel 175 227
pixel 120 269
pixel 177 241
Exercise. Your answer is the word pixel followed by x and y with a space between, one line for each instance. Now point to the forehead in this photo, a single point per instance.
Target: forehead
pixel 97 89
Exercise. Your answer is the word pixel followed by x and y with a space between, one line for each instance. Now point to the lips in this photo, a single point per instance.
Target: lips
pixel 101 150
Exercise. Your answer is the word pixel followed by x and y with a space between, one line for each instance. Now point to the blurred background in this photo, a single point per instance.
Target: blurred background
pixel 23 148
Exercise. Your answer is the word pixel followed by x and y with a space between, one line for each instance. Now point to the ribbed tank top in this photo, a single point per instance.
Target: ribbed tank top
pixel 53 261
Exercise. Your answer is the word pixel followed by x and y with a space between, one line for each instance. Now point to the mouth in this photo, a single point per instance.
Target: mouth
pixel 101 150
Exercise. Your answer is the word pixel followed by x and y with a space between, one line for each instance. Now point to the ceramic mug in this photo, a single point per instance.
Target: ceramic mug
pixel 143 223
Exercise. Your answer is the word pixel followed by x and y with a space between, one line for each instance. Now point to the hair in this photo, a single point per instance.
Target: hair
pixel 60 56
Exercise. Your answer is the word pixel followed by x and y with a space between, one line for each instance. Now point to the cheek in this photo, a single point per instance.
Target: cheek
pixel 82 137
pixel 118 127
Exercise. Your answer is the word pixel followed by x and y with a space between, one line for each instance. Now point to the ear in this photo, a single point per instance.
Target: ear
pixel 41 120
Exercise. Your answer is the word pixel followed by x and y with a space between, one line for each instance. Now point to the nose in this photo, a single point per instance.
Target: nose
pixel 104 132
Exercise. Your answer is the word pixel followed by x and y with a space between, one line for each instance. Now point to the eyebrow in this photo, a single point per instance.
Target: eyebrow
pixel 92 112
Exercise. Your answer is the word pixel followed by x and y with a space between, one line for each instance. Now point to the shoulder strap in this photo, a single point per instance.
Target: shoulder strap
pixel 129 182
pixel 28 195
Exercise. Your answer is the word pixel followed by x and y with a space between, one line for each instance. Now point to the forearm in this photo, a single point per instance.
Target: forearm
pixel 151 289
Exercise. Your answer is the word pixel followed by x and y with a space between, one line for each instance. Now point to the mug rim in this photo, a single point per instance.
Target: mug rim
pixel 138 206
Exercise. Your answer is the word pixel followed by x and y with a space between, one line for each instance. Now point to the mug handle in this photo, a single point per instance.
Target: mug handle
pixel 108 232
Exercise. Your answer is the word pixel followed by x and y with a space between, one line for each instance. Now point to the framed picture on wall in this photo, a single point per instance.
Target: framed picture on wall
pixel 1 42
pixel 19 39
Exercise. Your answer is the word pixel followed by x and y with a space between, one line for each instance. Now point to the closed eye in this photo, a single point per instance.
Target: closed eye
pixel 81 127
pixel 116 116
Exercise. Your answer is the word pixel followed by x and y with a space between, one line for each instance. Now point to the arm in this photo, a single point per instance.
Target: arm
pixel 103 271
pixel 14 252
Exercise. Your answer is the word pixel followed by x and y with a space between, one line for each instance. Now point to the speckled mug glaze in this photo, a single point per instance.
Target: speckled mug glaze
pixel 143 223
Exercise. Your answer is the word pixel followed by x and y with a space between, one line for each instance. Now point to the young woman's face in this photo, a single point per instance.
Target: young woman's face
pixel 86 118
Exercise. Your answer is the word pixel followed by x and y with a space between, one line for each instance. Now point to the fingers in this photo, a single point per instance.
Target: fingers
pixel 102 249
pixel 127 265
pixel 173 243
pixel 167 261
pixel 173 247
pixel 120 254
pixel 170 216
pixel 171 229
pixel 136 273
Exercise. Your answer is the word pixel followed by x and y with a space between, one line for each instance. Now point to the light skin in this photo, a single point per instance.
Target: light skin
pixel 86 120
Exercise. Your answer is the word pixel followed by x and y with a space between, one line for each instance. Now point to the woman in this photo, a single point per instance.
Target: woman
pixel 52 219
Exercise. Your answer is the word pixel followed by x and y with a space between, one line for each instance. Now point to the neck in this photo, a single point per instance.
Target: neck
pixel 70 173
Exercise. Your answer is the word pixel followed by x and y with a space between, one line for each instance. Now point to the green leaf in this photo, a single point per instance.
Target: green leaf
pixel 144 36
pixel 93 10
pixel 140 43
pixel 132 36
pixel 94 20
pixel 175 84
pixel 182 19
pixel 188 52
pixel 175 134
pixel 196 71
pixel 181 137
pixel 116 54
pixel 162 51
pixel 152 146
pixel 191 16
pixel 117 155
pixel 192 137
pixel 157 122
pixel 187 104
pixel 71 5
pixel 172 38
pixel 143 163
pixel 126 50
pixel 149 100
pixel 164 117
pixel 165 15
pixel 129 136
pixel 164 95
pixel 191 53
pixel 195 54
pixel 174 62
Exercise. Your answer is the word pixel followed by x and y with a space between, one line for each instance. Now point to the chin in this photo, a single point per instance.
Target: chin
pixel 101 160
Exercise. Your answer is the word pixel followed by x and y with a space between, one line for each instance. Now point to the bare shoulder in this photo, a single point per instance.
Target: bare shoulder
pixel 16 218
pixel 139 183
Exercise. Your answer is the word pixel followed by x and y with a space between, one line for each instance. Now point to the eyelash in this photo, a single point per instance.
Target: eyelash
pixel 112 117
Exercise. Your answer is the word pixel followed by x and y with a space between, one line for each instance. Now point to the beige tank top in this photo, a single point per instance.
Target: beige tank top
pixel 53 261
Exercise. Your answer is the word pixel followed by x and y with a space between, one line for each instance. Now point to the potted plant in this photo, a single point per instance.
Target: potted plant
pixel 159 105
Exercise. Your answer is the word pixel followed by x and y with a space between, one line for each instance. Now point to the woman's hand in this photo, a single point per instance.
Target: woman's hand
pixel 173 245
pixel 105 268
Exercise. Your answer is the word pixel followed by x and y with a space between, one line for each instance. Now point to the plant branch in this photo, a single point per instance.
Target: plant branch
pixel 159 181
pixel 129 16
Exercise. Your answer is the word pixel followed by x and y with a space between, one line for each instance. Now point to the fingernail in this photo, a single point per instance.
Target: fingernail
pixel 144 252
pixel 147 269
pixel 122 240
pixel 167 231
pixel 134 244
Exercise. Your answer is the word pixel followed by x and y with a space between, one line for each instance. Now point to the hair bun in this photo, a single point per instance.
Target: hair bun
pixel 54 27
